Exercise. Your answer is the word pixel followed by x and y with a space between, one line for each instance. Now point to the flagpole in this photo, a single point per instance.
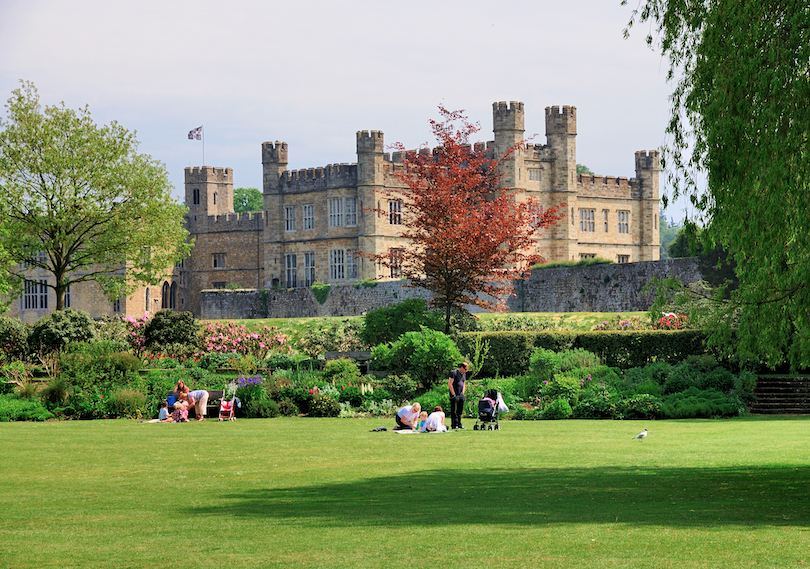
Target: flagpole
pixel 203 141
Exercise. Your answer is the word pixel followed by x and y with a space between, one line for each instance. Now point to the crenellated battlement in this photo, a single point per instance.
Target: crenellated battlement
pixel 617 187
pixel 648 160
pixel 370 141
pixel 274 152
pixel 508 117
pixel 251 221
pixel 311 179
pixel 564 122
pixel 538 152
pixel 207 174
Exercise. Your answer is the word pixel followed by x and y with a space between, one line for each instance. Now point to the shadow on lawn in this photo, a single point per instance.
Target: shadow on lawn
pixel 679 497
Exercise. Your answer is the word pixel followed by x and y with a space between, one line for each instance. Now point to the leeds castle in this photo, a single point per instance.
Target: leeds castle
pixel 315 219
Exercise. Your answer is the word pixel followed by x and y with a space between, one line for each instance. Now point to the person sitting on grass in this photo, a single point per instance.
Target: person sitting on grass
pixel 422 418
pixel 434 422
pixel 180 413
pixel 407 416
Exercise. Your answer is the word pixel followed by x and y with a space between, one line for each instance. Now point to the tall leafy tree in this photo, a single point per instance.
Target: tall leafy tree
pixel 469 238
pixel 247 199
pixel 741 76
pixel 79 201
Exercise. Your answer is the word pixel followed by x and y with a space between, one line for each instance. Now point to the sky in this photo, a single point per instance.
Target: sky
pixel 313 72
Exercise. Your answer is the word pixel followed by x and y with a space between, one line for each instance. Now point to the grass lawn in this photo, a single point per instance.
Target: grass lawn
pixel 296 327
pixel 329 493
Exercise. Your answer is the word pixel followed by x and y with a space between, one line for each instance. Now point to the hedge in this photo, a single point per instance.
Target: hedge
pixel 510 351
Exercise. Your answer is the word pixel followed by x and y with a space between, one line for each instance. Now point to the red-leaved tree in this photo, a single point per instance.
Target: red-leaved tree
pixel 468 237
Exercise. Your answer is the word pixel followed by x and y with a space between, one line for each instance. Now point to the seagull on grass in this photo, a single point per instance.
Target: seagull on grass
pixel 641 435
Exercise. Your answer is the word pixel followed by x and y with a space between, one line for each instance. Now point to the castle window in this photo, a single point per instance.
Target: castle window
pixel 351 265
pixel 394 212
pixel 309 268
pixel 586 219
pixel 173 296
pixel 291 265
pixel 587 255
pixel 395 268
pixel 35 295
pixel 337 266
pixel 117 305
pixel 605 211
pixel 215 198
pixel 67 296
pixel 37 260
pixel 335 212
pixel 218 260
pixel 624 221
pixel 572 216
pixel 351 211
pixel 534 175
pixel 164 301
pixel 289 218
pixel 309 216
pixel 195 196
pixel 622 259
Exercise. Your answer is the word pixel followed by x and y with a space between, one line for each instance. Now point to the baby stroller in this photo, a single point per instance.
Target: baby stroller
pixel 488 412
pixel 227 409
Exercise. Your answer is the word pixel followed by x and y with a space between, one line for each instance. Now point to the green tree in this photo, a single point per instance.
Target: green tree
pixel 77 200
pixel 740 116
pixel 687 243
pixel 247 199
pixel 666 234
pixel 583 169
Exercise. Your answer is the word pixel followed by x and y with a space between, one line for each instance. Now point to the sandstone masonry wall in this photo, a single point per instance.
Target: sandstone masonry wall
pixel 599 288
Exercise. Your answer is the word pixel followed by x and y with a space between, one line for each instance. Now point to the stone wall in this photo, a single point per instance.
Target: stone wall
pixel 599 288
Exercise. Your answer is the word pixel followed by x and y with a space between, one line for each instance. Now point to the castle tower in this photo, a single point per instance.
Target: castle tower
pixel 370 185
pixel 274 162
pixel 508 126
pixel 209 191
pixel 648 170
pixel 561 136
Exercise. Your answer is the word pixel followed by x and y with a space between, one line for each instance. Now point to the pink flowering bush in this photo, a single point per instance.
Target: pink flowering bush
pixel 620 323
pixel 232 338
pixel 671 321
pixel 136 327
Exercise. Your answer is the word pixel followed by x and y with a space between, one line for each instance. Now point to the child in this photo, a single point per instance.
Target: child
pixel 422 418
pixel 163 414
pixel 180 413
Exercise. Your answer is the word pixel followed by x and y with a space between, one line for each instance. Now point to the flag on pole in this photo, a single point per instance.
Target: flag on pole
pixel 195 134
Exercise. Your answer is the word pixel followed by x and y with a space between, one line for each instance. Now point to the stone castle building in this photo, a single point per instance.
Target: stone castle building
pixel 315 219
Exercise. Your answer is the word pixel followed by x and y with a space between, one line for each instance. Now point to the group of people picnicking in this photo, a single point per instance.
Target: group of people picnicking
pixel 411 417
pixel 184 399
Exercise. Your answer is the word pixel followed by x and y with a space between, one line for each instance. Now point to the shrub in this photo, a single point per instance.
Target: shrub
pixel 682 377
pixel 719 378
pixel 61 327
pixel 439 395
pixel 578 358
pixel 341 371
pixel 334 336
pixel 427 354
pixel 12 408
pixel 287 408
pixel 619 323
pixel 400 386
pixel 518 322
pixel 13 339
pixel 544 364
pixel 128 403
pixel 696 403
pixel 57 392
pixel 559 409
pixel 323 406
pixel 171 327
pixel 642 406
pixel 125 362
pixel 596 406
pixel 214 360
pixel 744 386
pixel 320 291
pixel 561 387
pixel 238 339
pixel 262 409
pixel 249 389
pixel 387 323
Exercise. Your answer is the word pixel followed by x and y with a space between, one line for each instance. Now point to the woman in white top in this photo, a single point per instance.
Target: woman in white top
pixel 408 416
pixel 434 422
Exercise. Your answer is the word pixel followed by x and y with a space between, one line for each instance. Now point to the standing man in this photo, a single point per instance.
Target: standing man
pixel 457 384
